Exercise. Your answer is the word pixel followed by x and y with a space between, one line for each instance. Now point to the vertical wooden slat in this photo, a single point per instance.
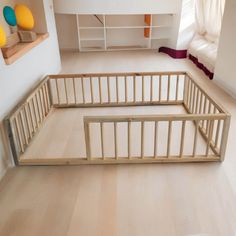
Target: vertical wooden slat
pixel 83 92
pixel 100 89
pixel 169 138
pixel 49 94
pixel 108 90
pixel 195 138
pixel 31 116
pixel 66 91
pixel 27 121
pixel 160 87
pixel 197 102
pixel 38 107
pixel 200 107
pixel 217 133
pixel 91 90
pixel 190 95
pixel 143 89
pixel 134 88
pixel 209 138
pixel 208 122
pixel 35 113
pixel 58 94
pixel 117 89
pixel 151 89
pixel 18 133
pixel 142 139
pixel 129 139
pixel 193 99
pixel 74 89
pixel 126 89
pixel 102 140
pixel 87 140
pixel 225 133
pixel 177 89
pixel 155 139
pixel 23 128
pixel 168 88
pixel 45 100
pixel 41 103
pixel 182 138
pixel 115 140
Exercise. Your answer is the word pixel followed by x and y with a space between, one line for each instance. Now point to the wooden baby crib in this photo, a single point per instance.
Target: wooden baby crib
pixel 113 135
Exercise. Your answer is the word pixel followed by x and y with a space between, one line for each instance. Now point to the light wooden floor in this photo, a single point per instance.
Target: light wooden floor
pixel 165 200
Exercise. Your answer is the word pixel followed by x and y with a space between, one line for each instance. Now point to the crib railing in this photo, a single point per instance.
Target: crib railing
pixel 172 152
pixel 168 136
pixel 25 120
pixel 198 102
pixel 120 89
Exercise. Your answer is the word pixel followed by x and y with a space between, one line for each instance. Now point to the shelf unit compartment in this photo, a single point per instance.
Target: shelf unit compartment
pixel 91 21
pixel 91 34
pixel 126 38
pixel 161 33
pixel 125 21
pixel 162 20
pixel 92 45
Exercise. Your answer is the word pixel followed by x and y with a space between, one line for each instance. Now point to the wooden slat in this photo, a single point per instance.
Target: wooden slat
pixel 23 128
pixel 134 88
pixel 108 90
pixel 129 140
pixel 160 87
pixel 168 88
pixel 74 89
pixel 177 89
pixel 18 133
pixel 102 139
pixel 27 122
pixel 117 90
pixel 31 117
pixel 83 92
pixel 115 140
pixel 87 140
pixel 58 94
pixel 195 138
pixel 151 89
pixel 209 139
pixel 143 89
pixel 217 133
pixel 66 91
pixel 126 89
pixel 169 138
pixel 142 139
pixel 91 90
pixel 155 139
pixel 182 138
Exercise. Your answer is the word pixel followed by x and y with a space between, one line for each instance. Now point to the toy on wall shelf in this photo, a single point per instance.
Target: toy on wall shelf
pixel 25 22
pixel 10 18
pixel 3 38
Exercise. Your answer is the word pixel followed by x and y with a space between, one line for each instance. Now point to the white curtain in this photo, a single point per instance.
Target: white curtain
pixel 209 14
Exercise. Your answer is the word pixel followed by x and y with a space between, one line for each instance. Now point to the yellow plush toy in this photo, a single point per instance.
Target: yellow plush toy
pixel 3 38
pixel 24 17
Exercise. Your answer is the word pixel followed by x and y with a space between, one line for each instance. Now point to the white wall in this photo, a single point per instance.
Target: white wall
pixel 18 78
pixel 115 6
pixel 225 65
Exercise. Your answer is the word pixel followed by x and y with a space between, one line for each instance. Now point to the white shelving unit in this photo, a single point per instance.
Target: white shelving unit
pixel 123 32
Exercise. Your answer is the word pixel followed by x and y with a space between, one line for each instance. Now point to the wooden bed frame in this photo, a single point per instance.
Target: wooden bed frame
pixel 210 119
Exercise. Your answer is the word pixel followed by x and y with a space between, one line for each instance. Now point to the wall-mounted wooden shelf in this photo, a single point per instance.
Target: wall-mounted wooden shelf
pixel 23 48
